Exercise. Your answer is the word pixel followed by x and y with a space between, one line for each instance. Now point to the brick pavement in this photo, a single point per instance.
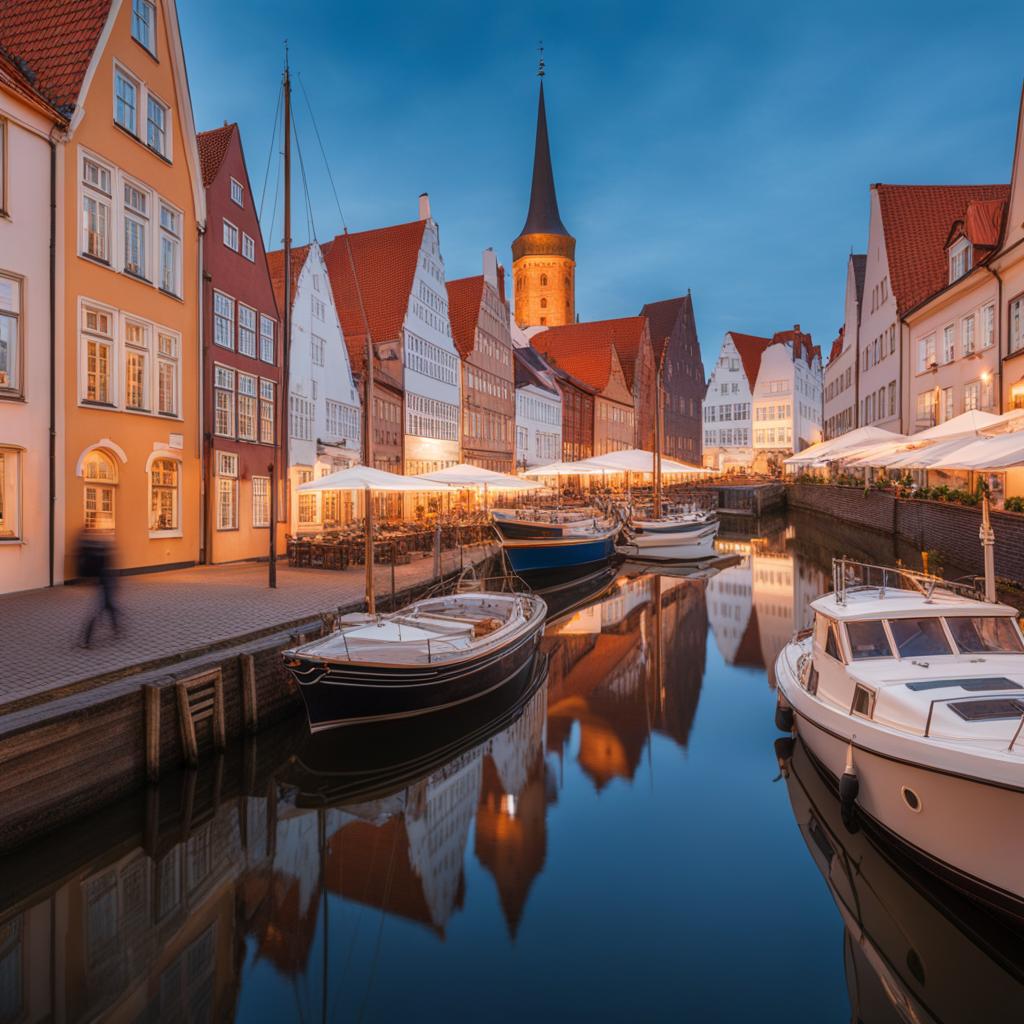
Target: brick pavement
pixel 167 614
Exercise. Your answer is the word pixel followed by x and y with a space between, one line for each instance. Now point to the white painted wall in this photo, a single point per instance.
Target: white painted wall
pixel 538 426
pixel 726 411
pixel 787 400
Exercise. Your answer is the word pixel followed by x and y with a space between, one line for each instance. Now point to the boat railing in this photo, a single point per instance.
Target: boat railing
pixel 849 576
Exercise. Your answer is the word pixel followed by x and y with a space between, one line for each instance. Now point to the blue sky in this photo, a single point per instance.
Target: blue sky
pixel 725 148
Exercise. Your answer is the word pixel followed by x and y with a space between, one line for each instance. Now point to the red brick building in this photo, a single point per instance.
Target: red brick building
pixel 673 333
pixel 242 358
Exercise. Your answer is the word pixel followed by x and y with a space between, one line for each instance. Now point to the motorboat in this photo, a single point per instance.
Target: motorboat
pixel 588 543
pixel 910 940
pixel 432 654
pixel 529 523
pixel 908 690
pixel 685 521
pixel 669 546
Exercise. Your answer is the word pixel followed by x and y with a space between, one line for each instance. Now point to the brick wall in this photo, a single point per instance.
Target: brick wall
pixel 951 530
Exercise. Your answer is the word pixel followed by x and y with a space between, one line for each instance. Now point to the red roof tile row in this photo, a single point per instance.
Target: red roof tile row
pixel 588 347
pixel 750 347
pixel 464 297
pixel 213 147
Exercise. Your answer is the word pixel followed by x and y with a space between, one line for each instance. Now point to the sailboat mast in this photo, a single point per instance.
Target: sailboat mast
pixel 657 435
pixel 371 607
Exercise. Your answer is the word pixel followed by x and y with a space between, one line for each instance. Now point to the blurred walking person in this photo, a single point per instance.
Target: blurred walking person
pixel 95 563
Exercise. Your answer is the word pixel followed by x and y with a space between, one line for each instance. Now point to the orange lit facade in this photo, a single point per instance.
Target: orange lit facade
pixel 131 297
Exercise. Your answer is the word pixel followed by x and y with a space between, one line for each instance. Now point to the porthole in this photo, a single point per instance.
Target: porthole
pixel 911 799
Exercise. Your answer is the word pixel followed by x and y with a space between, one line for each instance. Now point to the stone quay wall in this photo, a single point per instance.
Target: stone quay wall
pixel 943 527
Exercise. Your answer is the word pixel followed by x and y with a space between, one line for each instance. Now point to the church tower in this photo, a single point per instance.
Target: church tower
pixel 544 254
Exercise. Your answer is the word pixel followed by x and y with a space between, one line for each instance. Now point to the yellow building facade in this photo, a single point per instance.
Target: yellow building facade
pixel 135 203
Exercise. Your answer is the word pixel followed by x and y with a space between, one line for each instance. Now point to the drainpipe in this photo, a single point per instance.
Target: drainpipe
pixel 999 336
pixel 52 510
pixel 204 447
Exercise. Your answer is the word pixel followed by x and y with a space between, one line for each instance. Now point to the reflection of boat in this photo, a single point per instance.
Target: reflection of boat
pixel 663 546
pixel 564 595
pixel 916 949
pixel 377 759
pixel 911 692
pixel 431 655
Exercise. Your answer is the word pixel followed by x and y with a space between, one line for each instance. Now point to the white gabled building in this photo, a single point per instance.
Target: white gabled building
pixel 324 409
pixel 538 406
pixel 787 399
pixel 728 441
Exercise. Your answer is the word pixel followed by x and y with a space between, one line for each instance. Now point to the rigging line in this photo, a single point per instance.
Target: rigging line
pixel 270 152
pixel 277 190
pixel 305 183
pixel 341 215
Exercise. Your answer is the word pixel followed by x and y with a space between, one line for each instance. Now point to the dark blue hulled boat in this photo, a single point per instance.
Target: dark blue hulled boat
pixel 546 523
pixel 585 546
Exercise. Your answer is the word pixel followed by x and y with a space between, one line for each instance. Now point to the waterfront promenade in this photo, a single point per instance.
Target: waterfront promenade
pixel 168 615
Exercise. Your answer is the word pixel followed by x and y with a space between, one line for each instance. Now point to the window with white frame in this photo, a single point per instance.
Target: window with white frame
pixel 948 344
pixel 163 495
pixel 260 501
pixel 247 407
pixel 223 401
pixel 300 418
pixel 309 505
pixel 959 259
pixel 126 100
pixel 157 116
pixel 925 353
pixel 927 407
pixel 319 309
pixel 136 365
pixel 972 396
pixel 230 235
pixel 99 476
pixel 1017 324
pixel 97 193
pixel 246 331
pixel 10 493
pixel 967 334
pixel 10 334
pixel 223 320
pixel 319 349
pixel 342 421
pixel 167 375
pixel 227 491
pixel 266 339
pixel 947 403
pixel 987 392
pixel 170 249
pixel 237 192
pixel 988 326
pixel 248 247
pixel 266 411
pixel 144 24
pixel 98 355
pixel 137 203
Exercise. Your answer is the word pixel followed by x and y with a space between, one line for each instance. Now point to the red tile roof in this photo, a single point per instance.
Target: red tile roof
pixel 385 262
pixel 663 317
pixel 837 346
pixel 802 342
pixel 275 264
pixel 55 39
pixel 590 344
pixel 916 220
pixel 213 146
pixel 983 223
pixel 464 297
pixel 751 348
pixel 14 77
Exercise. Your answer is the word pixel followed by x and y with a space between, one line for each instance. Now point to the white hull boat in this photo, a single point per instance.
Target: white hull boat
pixel 691 545
pixel 911 694
pixel 682 522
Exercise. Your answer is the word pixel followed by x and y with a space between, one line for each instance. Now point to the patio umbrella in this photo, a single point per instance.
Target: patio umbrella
pixel 582 468
pixel 638 460
pixel 862 437
pixel 926 456
pixel 368 479
pixel 972 422
pixel 1001 452
pixel 466 475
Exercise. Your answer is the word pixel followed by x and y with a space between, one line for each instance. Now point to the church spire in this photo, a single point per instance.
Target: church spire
pixel 543 217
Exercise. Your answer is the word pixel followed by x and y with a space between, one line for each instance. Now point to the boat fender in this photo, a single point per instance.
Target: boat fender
pixel 784 753
pixel 849 788
pixel 783 717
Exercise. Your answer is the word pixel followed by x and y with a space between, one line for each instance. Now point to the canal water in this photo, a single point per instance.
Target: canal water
pixel 619 844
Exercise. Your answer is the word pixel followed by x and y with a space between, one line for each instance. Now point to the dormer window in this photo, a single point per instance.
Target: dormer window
pixel 959 259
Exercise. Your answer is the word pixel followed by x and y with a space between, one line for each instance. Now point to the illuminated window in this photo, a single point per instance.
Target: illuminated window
pixel 100 475
pixel 163 491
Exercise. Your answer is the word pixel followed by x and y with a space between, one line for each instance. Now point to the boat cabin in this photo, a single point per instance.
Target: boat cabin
pixel 926 660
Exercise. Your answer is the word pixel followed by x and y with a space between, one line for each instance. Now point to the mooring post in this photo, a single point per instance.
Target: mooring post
pixel 151 702
pixel 250 714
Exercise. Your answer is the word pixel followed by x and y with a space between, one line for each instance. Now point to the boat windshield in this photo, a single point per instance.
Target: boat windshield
pixel 919 638
pixel 985 634
pixel 868 640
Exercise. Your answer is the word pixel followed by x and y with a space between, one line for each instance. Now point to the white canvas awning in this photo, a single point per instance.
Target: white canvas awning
pixel 467 475
pixel 638 460
pixel 987 453
pixel 582 468
pixel 828 451
pixel 973 422
pixel 361 478
pixel 926 456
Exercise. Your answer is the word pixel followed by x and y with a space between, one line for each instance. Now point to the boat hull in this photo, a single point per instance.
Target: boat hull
pixel 655 526
pixel 671 547
pixel 338 693
pixel 541 556
pixel 966 830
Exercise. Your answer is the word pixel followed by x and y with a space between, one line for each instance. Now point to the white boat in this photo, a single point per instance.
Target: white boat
pixel 674 522
pixel 909 691
pixel 669 547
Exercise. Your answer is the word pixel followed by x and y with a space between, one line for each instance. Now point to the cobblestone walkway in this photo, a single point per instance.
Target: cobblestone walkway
pixel 167 613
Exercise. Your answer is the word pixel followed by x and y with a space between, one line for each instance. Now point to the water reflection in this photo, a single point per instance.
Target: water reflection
pixel 914 949
pixel 586 818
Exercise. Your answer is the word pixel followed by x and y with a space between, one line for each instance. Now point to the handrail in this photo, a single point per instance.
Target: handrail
pixel 1020 725
pixel 845 571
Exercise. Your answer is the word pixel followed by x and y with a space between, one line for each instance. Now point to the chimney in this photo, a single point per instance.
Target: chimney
pixel 491 267
pixel 424 206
